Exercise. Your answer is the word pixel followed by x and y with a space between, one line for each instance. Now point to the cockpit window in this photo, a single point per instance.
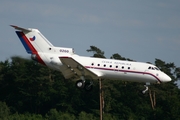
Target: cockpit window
pixel 153 68
pixel 156 68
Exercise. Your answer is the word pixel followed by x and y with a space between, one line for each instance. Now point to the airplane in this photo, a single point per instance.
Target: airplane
pixel 81 68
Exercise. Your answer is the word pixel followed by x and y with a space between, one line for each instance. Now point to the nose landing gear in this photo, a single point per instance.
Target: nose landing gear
pixel 146 88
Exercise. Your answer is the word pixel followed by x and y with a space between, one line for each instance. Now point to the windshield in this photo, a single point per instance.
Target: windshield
pixel 153 68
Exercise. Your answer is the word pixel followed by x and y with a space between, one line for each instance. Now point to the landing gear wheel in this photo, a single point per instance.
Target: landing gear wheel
pixel 80 84
pixel 88 87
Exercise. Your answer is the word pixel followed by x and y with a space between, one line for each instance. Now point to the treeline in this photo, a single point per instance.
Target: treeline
pixel 31 91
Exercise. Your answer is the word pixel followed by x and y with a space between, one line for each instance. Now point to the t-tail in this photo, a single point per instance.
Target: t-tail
pixel 38 46
pixel 32 40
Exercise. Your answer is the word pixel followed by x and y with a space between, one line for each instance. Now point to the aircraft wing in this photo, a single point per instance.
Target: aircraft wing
pixel 78 68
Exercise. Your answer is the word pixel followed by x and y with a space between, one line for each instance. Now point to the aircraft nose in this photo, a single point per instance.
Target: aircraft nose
pixel 166 78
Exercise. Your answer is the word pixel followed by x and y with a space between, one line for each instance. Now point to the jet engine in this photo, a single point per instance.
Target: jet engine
pixel 34 57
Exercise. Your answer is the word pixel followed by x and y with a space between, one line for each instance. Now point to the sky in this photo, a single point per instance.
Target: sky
pixel 136 29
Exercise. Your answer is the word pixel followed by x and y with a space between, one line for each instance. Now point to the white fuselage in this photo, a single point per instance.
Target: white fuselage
pixel 110 68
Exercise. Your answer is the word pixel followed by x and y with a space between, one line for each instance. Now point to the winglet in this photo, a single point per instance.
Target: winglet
pixel 19 28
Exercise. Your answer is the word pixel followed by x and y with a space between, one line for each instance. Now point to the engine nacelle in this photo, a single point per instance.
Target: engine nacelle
pixel 37 58
pixel 34 57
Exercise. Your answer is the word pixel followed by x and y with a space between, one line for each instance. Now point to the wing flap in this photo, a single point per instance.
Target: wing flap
pixel 77 68
pixel 67 73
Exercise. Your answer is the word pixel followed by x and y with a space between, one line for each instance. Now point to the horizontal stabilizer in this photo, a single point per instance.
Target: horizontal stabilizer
pixel 19 28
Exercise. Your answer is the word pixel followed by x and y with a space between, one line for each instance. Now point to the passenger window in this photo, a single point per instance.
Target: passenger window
pixel 149 68
pixel 122 67
pixel 104 65
pixel 128 67
pixel 116 66
pixel 110 66
pixel 92 64
pixel 98 64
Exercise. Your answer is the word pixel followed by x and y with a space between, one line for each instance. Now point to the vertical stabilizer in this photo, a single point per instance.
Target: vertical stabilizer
pixel 33 40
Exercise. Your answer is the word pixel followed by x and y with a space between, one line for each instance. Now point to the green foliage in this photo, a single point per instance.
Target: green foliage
pixel 25 116
pixel 34 92
pixel 110 117
pixel 96 51
pixel 85 116
pixel 4 111
pixel 119 57
pixel 53 114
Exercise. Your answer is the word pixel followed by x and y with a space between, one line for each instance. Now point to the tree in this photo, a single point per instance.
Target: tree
pixel 96 51
pixel 31 91
pixel 4 111
pixel 119 57
pixel 53 114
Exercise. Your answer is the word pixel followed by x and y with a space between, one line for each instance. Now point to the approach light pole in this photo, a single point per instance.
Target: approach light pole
pixel 100 99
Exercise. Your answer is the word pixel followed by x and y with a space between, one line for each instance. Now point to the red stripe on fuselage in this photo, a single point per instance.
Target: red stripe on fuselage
pixel 128 71
pixel 32 48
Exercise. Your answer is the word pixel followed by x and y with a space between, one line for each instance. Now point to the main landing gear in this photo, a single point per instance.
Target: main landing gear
pixel 81 84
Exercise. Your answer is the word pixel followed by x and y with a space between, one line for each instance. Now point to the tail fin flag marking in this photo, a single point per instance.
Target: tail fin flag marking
pixel 32 38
